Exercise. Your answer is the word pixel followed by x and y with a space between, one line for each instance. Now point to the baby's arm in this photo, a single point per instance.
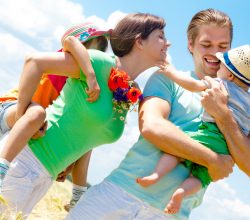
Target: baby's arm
pixel 72 45
pixel 184 81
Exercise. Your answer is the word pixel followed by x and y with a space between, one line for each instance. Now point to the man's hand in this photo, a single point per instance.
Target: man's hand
pixel 214 100
pixel 221 168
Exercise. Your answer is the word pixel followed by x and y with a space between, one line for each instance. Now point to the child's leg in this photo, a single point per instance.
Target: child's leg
pixel 189 187
pixel 166 163
pixel 7 114
pixel 19 135
pixel 79 180
pixel 23 130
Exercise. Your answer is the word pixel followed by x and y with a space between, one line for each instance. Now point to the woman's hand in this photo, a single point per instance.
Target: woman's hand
pixel 41 131
pixel 63 175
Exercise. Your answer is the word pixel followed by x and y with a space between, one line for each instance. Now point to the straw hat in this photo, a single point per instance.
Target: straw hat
pixel 85 32
pixel 237 60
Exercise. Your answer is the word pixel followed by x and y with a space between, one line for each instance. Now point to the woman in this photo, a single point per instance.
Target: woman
pixel 74 125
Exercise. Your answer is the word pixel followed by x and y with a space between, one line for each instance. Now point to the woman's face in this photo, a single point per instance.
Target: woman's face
pixel 155 46
pixel 210 40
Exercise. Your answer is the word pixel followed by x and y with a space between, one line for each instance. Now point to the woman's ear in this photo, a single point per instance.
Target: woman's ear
pixel 139 42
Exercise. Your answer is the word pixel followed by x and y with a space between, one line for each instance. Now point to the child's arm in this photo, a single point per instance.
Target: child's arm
pixel 186 82
pixel 72 45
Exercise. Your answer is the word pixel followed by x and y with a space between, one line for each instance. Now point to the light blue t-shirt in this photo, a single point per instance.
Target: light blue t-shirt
pixel 142 158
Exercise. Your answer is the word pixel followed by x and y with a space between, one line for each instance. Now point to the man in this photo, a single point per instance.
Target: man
pixel 166 110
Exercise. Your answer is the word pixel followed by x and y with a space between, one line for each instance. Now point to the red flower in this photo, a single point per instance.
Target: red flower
pixel 118 79
pixel 133 95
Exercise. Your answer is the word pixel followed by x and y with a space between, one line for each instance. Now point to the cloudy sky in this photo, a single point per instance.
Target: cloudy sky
pixel 29 26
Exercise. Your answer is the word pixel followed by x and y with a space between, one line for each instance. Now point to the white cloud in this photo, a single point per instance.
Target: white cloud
pixel 13 52
pixel 39 21
pixel 222 199
pixel 115 17
pixel 28 26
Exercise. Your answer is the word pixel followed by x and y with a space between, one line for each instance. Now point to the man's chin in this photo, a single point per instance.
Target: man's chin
pixel 211 72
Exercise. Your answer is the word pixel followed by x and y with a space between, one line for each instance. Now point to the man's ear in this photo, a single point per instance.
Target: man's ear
pixel 190 46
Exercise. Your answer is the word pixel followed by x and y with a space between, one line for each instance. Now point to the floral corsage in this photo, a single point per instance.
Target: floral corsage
pixel 125 93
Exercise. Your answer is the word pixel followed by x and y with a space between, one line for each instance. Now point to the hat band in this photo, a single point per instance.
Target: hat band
pixel 234 69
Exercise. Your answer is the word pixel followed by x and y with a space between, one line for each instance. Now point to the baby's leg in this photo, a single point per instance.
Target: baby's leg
pixel 189 187
pixel 166 163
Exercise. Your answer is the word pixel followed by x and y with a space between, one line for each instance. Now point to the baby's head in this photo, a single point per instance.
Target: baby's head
pixel 89 35
pixel 235 64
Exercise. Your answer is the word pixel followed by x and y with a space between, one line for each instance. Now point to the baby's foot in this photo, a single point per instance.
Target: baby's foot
pixel 175 203
pixel 148 180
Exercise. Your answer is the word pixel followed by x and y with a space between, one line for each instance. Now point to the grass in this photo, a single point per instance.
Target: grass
pixel 49 208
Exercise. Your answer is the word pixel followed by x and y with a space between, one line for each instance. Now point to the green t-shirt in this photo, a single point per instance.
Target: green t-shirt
pixel 76 126
pixel 143 156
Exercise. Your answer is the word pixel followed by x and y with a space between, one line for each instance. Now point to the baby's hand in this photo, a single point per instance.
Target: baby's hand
pixel 93 90
pixel 167 69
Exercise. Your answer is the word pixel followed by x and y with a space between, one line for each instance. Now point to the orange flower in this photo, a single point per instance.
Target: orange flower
pixel 134 94
pixel 118 79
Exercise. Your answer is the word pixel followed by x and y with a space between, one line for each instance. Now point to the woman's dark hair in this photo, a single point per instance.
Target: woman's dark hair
pixel 130 28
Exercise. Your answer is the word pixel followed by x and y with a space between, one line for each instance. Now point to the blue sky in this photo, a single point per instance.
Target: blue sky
pixel 30 25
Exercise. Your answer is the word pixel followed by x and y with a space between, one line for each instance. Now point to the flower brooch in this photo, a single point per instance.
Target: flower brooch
pixel 125 93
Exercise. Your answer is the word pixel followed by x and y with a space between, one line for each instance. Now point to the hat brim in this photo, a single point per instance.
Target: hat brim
pixel 220 56
pixel 96 34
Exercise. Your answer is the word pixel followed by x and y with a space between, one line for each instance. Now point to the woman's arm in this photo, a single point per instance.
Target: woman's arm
pixel 155 127
pixel 215 102
pixel 35 65
pixel 72 45
pixel 186 82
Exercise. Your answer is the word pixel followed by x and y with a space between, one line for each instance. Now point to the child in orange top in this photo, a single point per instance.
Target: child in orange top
pixel 32 123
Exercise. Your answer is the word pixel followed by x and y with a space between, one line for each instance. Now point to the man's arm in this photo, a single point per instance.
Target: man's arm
pixel 155 127
pixel 238 144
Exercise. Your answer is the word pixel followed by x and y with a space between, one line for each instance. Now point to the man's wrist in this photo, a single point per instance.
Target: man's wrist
pixel 210 160
pixel 224 117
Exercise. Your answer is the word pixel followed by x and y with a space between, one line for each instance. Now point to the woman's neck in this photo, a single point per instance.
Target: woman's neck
pixel 131 65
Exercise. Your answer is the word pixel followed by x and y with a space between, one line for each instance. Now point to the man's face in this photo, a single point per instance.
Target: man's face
pixel 210 40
